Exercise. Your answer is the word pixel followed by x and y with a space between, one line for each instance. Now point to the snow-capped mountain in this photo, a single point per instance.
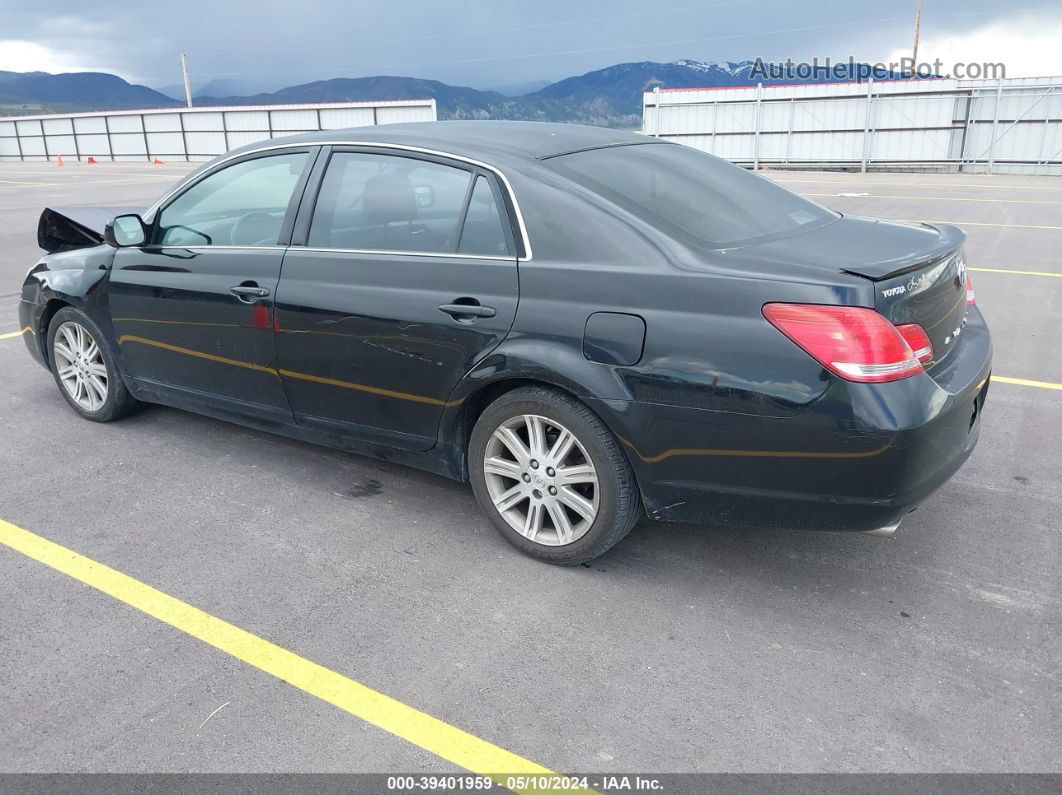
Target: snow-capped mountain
pixel 735 70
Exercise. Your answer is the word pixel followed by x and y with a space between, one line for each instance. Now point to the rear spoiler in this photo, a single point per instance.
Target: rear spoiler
pixel 949 240
pixel 67 228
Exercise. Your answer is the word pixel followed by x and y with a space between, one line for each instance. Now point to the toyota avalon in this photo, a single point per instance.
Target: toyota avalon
pixel 586 324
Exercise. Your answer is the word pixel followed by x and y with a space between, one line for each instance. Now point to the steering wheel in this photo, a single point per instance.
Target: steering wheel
pixel 255 229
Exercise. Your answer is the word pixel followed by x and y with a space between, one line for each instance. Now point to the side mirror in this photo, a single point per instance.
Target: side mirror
pixel 125 230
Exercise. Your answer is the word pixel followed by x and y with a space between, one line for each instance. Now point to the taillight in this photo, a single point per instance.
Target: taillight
pixel 918 340
pixel 854 343
pixel 971 299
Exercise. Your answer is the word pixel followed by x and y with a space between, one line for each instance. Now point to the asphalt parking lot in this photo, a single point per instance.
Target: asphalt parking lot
pixel 684 649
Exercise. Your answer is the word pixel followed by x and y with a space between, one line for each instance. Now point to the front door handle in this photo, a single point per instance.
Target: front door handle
pixel 248 291
pixel 469 310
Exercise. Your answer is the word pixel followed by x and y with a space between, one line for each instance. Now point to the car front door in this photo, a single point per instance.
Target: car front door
pixel 192 309
pixel 403 278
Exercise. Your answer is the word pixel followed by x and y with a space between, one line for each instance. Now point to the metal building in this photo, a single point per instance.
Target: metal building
pixel 187 133
pixel 1005 125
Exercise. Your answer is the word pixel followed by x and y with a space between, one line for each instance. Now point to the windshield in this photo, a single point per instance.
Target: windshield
pixel 692 193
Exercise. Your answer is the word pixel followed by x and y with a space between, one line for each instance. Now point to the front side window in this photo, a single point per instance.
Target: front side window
pixel 240 205
pixel 389 203
pixel 692 193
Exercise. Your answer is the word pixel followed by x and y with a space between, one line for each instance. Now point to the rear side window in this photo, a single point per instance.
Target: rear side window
pixel 389 203
pixel 484 232
pixel 692 193
pixel 241 205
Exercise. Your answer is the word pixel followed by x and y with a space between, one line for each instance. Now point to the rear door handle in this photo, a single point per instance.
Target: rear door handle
pixel 458 311
pixel 245 291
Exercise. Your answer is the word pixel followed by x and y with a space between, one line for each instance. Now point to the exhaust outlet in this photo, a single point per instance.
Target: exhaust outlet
pixel 888 531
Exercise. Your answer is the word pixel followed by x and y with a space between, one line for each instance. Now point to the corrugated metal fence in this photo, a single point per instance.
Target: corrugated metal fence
pixel 187 133
pixel 1010 126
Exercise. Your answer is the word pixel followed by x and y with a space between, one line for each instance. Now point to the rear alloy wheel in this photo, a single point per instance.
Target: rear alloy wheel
pixel 85 369
pixel 541 480
pixel 551 476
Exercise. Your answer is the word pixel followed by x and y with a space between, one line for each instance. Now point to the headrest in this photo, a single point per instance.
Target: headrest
pixel 389 198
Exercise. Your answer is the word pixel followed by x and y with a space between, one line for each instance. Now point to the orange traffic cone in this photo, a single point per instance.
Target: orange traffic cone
pixel 159 162
pixel 60 162
pixel 92 161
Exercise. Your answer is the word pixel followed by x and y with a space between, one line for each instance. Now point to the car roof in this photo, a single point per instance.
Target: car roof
pixel 494 140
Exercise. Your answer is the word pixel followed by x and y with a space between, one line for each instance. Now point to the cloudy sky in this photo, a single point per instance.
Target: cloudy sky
pixel 489 43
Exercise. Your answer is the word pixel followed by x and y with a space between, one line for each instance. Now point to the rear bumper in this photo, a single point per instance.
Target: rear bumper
pixel 861 458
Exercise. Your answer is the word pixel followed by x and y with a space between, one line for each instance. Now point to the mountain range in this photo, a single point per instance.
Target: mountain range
pixel 608 97
pixel 40 92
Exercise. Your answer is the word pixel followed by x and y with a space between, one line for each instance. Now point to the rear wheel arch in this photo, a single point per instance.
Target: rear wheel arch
pixel 459 432
pixel 515 363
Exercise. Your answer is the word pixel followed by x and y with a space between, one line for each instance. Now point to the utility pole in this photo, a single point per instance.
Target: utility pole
pixel 918 26
pixel 187 85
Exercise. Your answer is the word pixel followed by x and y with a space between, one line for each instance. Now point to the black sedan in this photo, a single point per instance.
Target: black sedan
pixel 584 323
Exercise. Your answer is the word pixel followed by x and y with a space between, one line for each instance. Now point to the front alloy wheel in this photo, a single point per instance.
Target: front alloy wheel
pixel 80 367
pixel 85 369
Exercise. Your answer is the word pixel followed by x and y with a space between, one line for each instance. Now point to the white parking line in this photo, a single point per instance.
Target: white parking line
pixel 870 183
pixel 935 198
pixel 982 223
pixel 75 175
pixel 7 183
pixel 119 181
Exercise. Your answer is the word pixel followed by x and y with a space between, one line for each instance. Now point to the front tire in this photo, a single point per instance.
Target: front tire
pixel 551 477
pixel 85 369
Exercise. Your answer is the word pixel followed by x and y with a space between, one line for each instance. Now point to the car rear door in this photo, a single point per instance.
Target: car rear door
pixel 401 276
pixel 192 310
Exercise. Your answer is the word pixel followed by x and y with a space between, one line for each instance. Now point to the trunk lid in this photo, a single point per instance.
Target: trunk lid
pixel 873 248
pixel 933 295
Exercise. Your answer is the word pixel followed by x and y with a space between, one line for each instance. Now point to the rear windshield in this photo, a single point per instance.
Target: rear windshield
pixel 695 194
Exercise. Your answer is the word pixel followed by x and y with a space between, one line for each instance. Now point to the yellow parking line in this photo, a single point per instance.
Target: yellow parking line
pixel 937 198
pixel 1026 382
pixel 416 727
pixel 11 334
pixel 1018 273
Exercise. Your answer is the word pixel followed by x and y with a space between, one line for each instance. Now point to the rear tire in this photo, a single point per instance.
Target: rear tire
pixel 551 477
pixel 84 368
